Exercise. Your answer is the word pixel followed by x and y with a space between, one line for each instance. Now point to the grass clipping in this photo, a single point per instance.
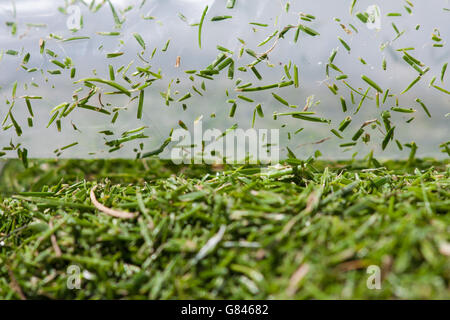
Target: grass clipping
pixel 109 211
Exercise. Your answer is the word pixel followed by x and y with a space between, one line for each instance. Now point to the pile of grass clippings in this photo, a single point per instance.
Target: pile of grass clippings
pixel 303 232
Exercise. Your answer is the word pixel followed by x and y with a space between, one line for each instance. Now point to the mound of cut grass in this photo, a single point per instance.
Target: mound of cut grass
pixel 306 232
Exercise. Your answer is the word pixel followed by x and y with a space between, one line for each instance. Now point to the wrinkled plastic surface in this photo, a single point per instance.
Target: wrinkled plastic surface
pixel 310 54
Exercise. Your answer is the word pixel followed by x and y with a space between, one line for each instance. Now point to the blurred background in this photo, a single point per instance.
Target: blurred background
pixel 158 21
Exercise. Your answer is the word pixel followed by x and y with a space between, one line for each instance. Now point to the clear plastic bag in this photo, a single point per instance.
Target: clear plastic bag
pixel 87 131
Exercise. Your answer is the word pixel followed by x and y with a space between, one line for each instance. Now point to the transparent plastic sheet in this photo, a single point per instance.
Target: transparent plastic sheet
pixel 309 53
